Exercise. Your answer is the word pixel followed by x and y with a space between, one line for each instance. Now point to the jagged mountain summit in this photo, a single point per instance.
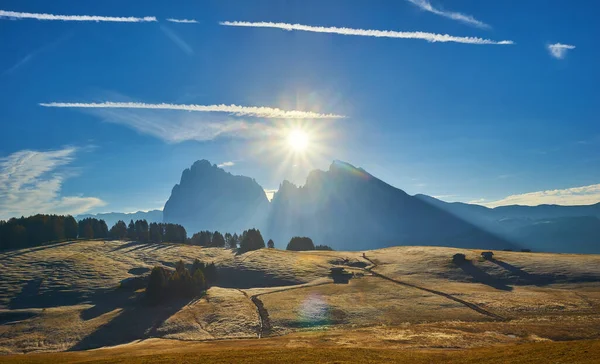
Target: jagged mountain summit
pixel 347 208
pixel 209 198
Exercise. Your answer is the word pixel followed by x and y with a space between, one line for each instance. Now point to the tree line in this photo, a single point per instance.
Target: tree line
pixel 35 230
pixel 39 229
pixel 143 232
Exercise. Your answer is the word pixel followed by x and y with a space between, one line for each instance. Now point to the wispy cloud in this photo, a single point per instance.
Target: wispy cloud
pixel 463 18
pixel 15 15
pixel 30 183
pixel 177 40
pixel 585 195
pixel 252 111
pixel 559 50
pixel 34 54
pixel 183 21
pixel 173 127
pixel 430 37
pixel 226 164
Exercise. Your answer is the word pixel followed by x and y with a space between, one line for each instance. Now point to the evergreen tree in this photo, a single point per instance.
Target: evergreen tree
pixel 131 231
pixel 298 243
pixel 155 233
pixel 157 284
pixel 218 240
pixel 270 244
pixel 251 240
pixel 118 231
pixel 141 230
pixel 70 227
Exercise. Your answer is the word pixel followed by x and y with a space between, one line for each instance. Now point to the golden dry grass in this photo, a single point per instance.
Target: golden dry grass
pixel 279 351
pixel 64 297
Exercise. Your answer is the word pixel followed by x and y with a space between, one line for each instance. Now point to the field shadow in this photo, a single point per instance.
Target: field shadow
pixel 137 320
pixel 136 245
pixel 31 296
pixel 521 277
pixel 129 244
pixel 138 271
pixel 483 277
pixel 22 251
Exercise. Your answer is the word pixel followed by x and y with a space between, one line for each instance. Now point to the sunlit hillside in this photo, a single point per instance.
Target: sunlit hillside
pixel 77 295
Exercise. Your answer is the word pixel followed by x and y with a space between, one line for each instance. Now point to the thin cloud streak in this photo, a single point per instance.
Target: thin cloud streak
pixel 34 54
pixel 252 111
pixel 183 21
pixel 14 15
pixel 558 50
pixel 463 18
pixel 177 40
pixel 585 195
pixel 430 37
pixel 226 164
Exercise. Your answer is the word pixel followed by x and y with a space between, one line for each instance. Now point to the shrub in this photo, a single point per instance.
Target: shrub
pixel 459 258
pixel 298 243
pixel 323 247
pixel 487 255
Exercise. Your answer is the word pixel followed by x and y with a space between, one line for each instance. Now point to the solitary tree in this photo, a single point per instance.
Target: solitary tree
pixel 270 244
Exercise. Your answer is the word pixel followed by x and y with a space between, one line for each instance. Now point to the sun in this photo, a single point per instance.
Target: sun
pixel 298 140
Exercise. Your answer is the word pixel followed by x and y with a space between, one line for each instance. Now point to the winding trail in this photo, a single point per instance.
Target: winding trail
pixel 264 329
pixel 470 305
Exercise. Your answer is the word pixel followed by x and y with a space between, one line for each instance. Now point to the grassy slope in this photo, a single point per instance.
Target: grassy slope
pixel 63 296
pixel 277 351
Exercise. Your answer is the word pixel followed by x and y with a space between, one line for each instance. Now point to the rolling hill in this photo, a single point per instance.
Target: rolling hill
pixel 75 296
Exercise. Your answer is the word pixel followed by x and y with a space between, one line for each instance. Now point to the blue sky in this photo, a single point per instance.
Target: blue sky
pixel 460 120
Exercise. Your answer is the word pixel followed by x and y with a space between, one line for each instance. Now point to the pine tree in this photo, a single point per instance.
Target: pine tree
pixel 70 227
pixel 218 240
pixel 251 240
pixel 131 231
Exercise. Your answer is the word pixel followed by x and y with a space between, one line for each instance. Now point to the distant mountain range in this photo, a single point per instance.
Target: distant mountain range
pixel 112 217
pixel 347 208
pixel 552 228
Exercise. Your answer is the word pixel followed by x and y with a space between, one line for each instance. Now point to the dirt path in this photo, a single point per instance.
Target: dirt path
pixel 470 305
pixel 263 315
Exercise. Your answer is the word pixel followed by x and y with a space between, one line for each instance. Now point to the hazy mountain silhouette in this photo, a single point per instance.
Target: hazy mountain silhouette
pixel 347 208
pixel 208 198
pixel 552 228
pixel 112 217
